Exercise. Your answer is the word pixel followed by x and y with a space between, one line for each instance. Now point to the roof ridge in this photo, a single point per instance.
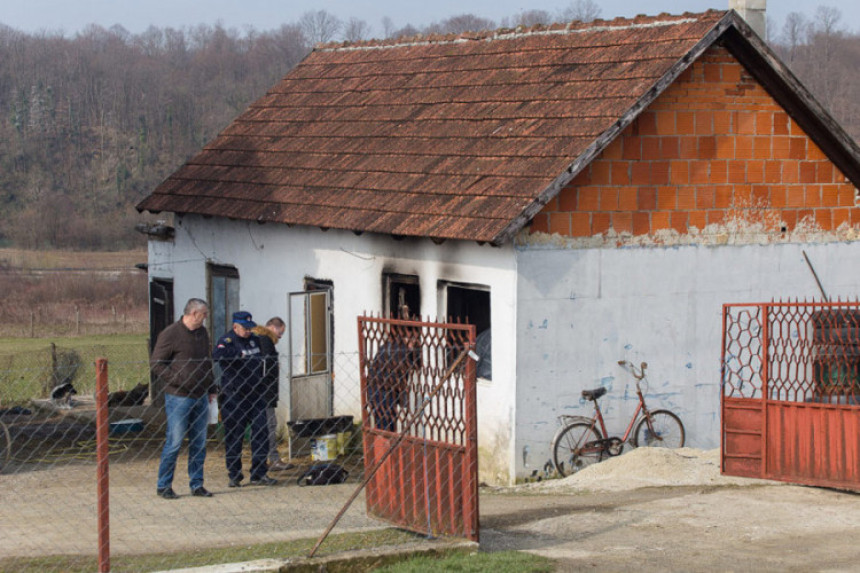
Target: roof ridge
pixel 640 21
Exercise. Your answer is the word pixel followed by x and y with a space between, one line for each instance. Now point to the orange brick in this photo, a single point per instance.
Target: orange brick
pixel 540 223
pixel 679 173
pixel 812 196
pixel 559 223
pixel 700 172
pixel 660 220
pixel 582 179
pixel 814 152
pixel 745 122
pixel 679 221
pixel 628 198
pixel 716 217
pixel 794 196
pixel 650 148
pixel 669 148
pixel 686 198
pixel 806 215
pixel 725 147
pixel 731 73
pixel 613 150
pixel 609 199
pixel 705 197
pixel 712 72
pixel 600 172
pixel 824 219
pixel 761 195
pixel 647 197
pixel 698 219
pixel 761 147
pixel 797 148
pixel 659 173
pixel 600 223
pixel 620 172
pixel 580 224
pixel 764 123
pixel 789 217
pixel 841 216
pixel 781 147
pixel 622 222
pixel 666 123
pixel 707 147
pixel 567 199
pixel 685 123
pixel 741 196
pixel 647 123
pixel 773 171
pixel 551 205
pixel 755 171
pixel 737 171
pixel 640 173
pixel 830 195
pixel 632 148
pixel 641 223
pixel 847 196
pixel 689 148
pixel 780 123
pixel 790 171
pixel 778 196
pixel 667 198
pixel 719 172
pixel 824 172
pixel 794 129
pixel 807 172
pixel 743 147
pixel 588 199
pixel 722 122
pixel 704 123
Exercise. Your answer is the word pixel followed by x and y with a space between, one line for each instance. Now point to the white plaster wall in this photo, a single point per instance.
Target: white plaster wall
pixel 274 260
pixel 581 310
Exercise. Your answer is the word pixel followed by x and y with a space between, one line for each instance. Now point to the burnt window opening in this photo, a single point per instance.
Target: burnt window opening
pixel 402 296
pixel 470 304
pixel 223 298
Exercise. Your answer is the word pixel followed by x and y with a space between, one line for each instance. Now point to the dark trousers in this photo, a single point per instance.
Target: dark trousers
pixel 236 413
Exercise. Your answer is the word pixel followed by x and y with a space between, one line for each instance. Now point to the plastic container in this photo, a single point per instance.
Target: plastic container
pixel 324 448
pixel 128 426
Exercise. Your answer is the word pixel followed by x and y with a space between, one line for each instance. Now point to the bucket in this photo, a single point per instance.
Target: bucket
pixel 342 441
pixel 324 448
pixel 128 426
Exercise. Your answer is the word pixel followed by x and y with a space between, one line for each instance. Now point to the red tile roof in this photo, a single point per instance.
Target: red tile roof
pixel 460 137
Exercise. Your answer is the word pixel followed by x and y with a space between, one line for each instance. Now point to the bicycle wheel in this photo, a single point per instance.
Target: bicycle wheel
pixel 666 431
pixel 5 445
pixel 575 447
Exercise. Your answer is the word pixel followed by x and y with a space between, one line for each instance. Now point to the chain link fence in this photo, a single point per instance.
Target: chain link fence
pixel 49 494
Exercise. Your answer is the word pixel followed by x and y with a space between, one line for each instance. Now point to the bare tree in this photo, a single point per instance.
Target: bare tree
pixel 460 24
pixel 533 17
pixel 794 33
pixel 582 10
pixel 320 26
pixel 387 27
pixel 356 30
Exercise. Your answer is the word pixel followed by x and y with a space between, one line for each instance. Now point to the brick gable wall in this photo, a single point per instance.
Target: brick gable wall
pixel 714 149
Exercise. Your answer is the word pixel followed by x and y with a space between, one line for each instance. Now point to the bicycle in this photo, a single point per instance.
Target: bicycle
pixel 580 441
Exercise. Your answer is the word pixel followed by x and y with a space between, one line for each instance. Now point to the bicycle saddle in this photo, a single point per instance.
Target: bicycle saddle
pixel 594 394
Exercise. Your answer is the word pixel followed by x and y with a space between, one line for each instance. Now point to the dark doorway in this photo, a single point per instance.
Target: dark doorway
pixel 402 296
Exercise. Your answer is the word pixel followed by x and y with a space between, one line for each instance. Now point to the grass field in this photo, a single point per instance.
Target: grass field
pixel 26 364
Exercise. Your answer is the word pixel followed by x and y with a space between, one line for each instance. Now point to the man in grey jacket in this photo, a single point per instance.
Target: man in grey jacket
pixel 181 360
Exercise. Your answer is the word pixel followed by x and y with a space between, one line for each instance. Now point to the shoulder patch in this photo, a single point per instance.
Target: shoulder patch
pixel 228 339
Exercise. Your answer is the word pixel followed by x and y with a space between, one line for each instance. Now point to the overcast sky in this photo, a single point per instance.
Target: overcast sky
pixel 70 16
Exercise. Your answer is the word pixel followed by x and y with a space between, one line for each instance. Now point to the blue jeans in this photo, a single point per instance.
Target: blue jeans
pixel 184 416
pixel 237 412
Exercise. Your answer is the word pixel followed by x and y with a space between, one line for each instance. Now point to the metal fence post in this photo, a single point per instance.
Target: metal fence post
pixel 102 471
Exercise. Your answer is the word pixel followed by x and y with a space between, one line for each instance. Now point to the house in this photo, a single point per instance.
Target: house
pixel 588 192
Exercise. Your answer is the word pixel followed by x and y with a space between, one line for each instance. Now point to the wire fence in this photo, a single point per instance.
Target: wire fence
pixel 49 492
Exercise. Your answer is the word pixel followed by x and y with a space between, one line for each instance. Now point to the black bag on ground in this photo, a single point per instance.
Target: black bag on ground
pixel 323 474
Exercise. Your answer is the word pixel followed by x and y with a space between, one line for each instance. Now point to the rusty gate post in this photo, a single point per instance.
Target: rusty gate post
pixel 102 472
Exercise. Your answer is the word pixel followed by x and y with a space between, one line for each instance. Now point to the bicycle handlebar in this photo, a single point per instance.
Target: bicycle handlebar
pixel 629 366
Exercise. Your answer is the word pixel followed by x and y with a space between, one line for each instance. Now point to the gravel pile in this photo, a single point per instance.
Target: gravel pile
pixel 647 467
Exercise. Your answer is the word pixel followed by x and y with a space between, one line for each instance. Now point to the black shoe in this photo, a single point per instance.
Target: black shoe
pixel 236 481
pixel 166 493
pixel 201 492
pixel 265 480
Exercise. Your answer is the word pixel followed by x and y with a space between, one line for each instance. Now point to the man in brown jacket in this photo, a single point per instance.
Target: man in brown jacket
pixel 181 360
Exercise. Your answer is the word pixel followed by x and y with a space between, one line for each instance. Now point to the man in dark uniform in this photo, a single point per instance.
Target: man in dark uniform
pixel 243 399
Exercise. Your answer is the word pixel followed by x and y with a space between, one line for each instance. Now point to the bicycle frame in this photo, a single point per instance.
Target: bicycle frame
pixel 641 408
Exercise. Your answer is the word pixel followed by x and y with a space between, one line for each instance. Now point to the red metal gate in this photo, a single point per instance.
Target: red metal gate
pixel 791 392
pixel 419 415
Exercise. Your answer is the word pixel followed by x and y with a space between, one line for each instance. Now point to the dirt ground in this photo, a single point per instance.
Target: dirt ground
pixel 638 516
